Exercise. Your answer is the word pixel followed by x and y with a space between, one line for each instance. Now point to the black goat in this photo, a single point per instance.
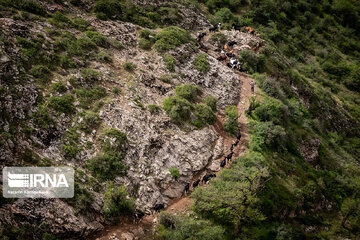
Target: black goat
pixel 236 27
pixel 138 215
pixel 201 36
pixel 238 135
pixel 230 55
pixel 217 50
pixel 215 27
pixel 196 183
pixel 187 187
pixel 231 43
pixel 236 142
pixel 223 163
pixel 229 156
pixel 207 177
pixel 158 207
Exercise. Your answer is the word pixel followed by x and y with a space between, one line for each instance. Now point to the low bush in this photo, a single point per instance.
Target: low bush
pixel 67 62
pixel 266 134
pixel 177 108
pixel 201 63
pixel 211 102
pixel 204 114
pixel 81 24
pixel 271 110
pixel 64 104
pixel 42 117
pixel 58 87
pixel 42 73
pixel 90 121
pixel 87 96
pixel 165 78
pixel 230 125
pixel 90 75
pixel 219 38
pixel 106 166
pixel 85 44
pixel 175 173
pixel 187 91
pixel 129 66
pixel 251 61
pixel 171 37
pixel 82 199
pixel 117 202
pixel 145 44
pixel 99 39
pixel 104 57
pixel 153 108
pixel 60 20
pixel 169 61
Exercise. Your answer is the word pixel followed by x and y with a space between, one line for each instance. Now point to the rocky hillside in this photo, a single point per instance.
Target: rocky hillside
pixel 125 93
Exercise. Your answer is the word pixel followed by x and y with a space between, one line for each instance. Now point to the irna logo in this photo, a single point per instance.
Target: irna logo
pixel 38 182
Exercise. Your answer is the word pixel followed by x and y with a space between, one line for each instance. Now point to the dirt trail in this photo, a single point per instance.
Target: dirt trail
pixel 182 205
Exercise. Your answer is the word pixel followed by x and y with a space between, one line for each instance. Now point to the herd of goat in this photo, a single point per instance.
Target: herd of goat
pixel 233 63
pixel 205 179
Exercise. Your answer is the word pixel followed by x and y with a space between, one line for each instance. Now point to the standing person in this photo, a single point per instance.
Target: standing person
pixel 252 84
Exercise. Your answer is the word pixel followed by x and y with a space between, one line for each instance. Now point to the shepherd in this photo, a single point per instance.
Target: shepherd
pixel 252 84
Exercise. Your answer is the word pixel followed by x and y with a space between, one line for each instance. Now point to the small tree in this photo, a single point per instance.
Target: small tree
pixel 175 173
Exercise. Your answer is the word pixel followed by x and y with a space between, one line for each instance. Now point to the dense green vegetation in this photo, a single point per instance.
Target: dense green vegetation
pixel 175 173
pixel 308 74
pixel 201 63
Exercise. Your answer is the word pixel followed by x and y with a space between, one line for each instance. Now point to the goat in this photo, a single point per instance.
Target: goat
pixel 229 156
pixel 196 183
pixel 201 36
pixel 203 47
pixel 238 135
pixel 158 207
pixel 231 43
pixel 207 177
pixel 221 58
pixel 232 147
pixel 138 215
pixel 187 187
pixel 237 142
pixel 217 50
pixel 236 27
pixel 215 27
pixel 223 163
pixel 230 55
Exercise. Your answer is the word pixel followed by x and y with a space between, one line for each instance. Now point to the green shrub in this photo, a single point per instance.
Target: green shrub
pixel 201 63
pixel 106 166
pixel 145 44
pixel 117 202
pixel 251 61
pixel 82 199
pixel 105 9
pixel 116 44
pixel 271 110
pixel 177 108
pixel 90 121
pixel 129 66
pixel 171 37
pixel 219 38
pixel 86 96
pixel 67 62
pixel 64 104
pixel 98 38
pixel 42 117
pixel 165 78
pixel 266 134
pixel 169 61
pixel 32 7
pixel 90 75
pixel 145 33
pixel 187 91
pixel 103 57
pixel 211 102
pixel 230 125
pixel 224 15
pixel 204 114
pixel 175 173
pixel 41 72
pixel 85 44
pixel 59 87
pixel 70 151
pixel 60 20
pixel 71 146
pixel 153 108
pixel 183 227
pixel 81 24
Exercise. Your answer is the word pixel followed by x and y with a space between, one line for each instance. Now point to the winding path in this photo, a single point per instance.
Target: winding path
pixel 182 205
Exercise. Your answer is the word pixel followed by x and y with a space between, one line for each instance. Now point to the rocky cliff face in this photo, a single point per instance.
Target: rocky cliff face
pixel 155 143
